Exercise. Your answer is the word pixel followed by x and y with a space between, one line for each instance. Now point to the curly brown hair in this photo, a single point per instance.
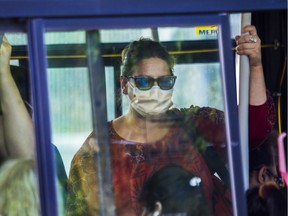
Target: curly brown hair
pixel 144 48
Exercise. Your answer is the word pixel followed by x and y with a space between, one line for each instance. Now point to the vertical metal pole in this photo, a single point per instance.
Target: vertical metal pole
pixel 231 119
pixel 45 156
pixel 244 80
pixel 98 98
pixel 155 34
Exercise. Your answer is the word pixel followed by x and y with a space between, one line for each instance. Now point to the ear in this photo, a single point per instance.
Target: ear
pixel 123 82
pixel 261 176
pixel 158 209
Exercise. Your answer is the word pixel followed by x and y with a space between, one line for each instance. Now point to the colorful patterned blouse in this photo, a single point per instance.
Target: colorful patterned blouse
pixel 193 130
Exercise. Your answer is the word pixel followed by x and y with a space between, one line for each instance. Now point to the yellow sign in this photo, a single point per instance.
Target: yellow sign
pixel 207 30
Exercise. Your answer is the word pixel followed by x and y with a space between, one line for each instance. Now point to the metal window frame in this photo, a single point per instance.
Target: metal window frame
pixel 38 66
pixel 70 8
pixel 45 156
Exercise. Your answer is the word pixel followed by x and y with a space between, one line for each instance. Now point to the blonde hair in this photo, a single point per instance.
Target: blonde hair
pixel 19 188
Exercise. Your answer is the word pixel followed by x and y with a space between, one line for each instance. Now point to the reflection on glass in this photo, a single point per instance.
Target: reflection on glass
pixel 72 37
pixel 188 33
pixel 196 84
pixel 18 173
pixel 110 92
pixel 71 119
pixel 180 124
pixel 123 35
pixel 70 108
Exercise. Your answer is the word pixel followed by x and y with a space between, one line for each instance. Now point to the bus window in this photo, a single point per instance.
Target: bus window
pixel 191 134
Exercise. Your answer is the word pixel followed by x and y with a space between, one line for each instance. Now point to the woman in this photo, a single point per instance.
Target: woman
pixel 151 135
pixel 262 162
pixel 267 199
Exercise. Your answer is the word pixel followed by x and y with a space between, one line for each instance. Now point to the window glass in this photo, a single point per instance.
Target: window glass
pixel 198 84
pixel 71 119
pixel 73 37
pixel 17 38
pixel 190 137
pixel 110 92
pixel 152 125
pixel 123 35
pixel 70 109
pixel 192 33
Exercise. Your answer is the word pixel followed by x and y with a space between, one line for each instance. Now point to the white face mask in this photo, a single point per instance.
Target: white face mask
pixel 151 102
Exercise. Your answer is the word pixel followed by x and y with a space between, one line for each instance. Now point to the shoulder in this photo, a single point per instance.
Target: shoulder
pixel 205 122
pixel 91 146
pixel 196 113
pixel 87 150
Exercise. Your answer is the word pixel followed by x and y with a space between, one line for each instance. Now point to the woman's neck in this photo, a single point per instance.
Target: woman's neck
pixel 141 123
pixel 133 127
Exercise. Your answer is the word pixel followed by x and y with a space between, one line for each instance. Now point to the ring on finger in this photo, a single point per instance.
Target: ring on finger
pixel 252 39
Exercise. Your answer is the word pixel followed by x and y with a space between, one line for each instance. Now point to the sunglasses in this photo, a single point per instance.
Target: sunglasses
pixel 276 179
pixel 146 82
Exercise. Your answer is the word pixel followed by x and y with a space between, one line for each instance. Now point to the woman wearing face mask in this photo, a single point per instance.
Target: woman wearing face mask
pixel 151 134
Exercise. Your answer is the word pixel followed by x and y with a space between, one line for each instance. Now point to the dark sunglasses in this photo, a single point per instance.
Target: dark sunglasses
pixel 278 180
pixel 146 82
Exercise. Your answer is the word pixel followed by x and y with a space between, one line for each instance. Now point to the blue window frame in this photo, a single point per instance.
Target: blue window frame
pixel 68 8
pixel 146 14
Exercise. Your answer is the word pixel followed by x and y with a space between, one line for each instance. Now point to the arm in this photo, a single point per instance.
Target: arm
pixel 3 151
pixel 262 114
pixel 17 123
pixel 253 51
pixel 82 191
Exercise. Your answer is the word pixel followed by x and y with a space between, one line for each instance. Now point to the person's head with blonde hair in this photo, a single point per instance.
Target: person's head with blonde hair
pixel 19 188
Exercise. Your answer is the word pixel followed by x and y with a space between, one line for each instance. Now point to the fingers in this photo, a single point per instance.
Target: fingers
pixel 249 34
pixel 247 49
pixel 248 43
pixel 245 46
pixel 5 41
pixel 5 47
pixel 247 39
pixel 5 54
pixel 251 29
